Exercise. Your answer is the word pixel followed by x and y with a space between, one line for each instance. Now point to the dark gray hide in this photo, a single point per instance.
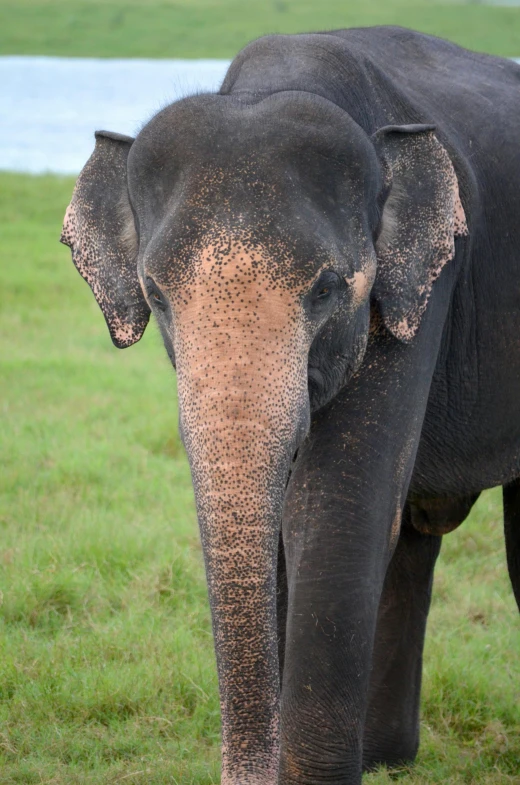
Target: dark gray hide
pixel 99 229
pixel 421 217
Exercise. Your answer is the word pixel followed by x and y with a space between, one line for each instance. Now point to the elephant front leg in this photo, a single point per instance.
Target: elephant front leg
pixel 336 560
pixel 391 733
pixel 342 513
pixel 339 521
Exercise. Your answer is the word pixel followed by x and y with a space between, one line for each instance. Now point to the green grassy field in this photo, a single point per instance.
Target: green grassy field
pixel 106 667
pixel 107 670
pixel 218 28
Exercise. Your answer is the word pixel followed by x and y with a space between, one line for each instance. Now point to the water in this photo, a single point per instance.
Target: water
pixel 51 106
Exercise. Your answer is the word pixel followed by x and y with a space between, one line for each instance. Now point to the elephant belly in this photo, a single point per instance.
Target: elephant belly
pixel 471 434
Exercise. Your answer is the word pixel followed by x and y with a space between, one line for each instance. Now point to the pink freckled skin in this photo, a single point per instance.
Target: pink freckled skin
pixel 242 380
pixel 415 245
pixel 122 332
pixel 396 528
pixel 404 330
pixel 360 284
pixel 67 224
pixel 460 228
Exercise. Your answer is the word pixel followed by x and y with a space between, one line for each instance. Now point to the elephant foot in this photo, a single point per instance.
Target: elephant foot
pixel 393 754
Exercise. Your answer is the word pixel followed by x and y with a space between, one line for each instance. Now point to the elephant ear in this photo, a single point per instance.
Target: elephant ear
pixel 421 216
pixel 99 228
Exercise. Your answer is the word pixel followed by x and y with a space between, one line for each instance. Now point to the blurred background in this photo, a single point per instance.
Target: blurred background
pixel 107 671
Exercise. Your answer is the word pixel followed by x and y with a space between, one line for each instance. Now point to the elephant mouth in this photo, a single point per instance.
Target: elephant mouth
pixel 316 383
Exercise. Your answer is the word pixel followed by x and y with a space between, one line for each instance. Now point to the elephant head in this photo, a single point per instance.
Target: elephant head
pixel 259 236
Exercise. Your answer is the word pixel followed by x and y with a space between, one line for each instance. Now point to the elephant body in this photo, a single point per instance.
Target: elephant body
pixel 383 76
pixel 330 247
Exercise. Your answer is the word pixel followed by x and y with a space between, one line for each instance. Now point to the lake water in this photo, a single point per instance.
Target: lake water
pixel 51 106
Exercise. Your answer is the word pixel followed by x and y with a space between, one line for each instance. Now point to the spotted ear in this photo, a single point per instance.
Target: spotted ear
pixel 99 228
pixel 422 214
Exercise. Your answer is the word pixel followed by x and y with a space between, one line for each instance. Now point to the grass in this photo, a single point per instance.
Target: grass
pixel 106 658
pixel 218 28
pixel 106 666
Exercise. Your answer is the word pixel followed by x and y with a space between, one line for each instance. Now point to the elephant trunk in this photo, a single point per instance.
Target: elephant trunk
pixel 241 348
pixel 240 471
pixel 239 532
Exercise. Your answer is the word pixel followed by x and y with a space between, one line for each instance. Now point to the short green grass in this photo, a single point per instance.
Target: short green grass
pixel 218 28
pixel 106 670
pixel 106 665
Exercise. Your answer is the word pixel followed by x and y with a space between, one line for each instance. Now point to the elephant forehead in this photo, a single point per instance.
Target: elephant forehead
pixel 234 287
pixel 239 337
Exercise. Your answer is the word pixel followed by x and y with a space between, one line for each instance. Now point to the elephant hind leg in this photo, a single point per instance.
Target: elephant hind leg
pixel 511 494
pixel 392 723
pixel 391 734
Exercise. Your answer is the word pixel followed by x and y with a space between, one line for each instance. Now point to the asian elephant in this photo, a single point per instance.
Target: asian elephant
pixel 330 245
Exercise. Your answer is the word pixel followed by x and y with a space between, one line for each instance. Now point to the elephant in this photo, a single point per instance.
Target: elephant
pixel 329 245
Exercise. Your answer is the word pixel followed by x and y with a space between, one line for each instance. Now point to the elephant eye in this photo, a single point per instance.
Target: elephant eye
pixel 323 290
pixel 155 294
pixel 323 293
